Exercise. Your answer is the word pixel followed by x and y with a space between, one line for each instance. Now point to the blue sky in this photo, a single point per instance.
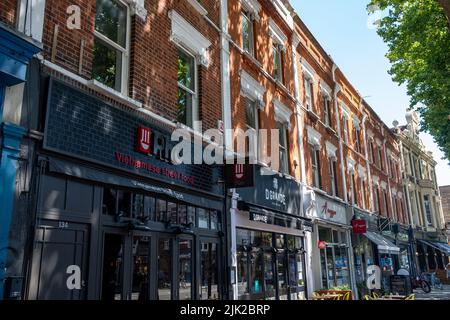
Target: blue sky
pixel 342 28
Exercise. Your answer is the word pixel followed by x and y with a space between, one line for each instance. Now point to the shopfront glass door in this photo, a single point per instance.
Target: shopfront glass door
pixel 140 289
pixel 282 275
pixel 113 267
pixel 185 268
pixel 209 272
pixel 269 277
pixel 165 268
pixel 175 268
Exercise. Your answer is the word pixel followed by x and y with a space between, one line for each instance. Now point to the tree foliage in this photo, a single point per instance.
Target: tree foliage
pixel 418 37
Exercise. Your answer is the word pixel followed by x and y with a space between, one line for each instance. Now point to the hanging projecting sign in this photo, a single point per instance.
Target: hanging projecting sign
pixel 240 175
pixel 359 226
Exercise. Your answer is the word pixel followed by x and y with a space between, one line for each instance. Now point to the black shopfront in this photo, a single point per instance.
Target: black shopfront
pixel 270 245
pixel 116 220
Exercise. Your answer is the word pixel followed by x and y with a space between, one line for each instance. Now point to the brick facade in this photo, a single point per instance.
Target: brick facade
pixel 153 82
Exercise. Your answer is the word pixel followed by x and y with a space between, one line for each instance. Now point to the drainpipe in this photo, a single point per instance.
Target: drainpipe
pixel 228 143
pixel 299 118
pixel 388 177
pixel 298 111
pixel 337 88
pixel 366 153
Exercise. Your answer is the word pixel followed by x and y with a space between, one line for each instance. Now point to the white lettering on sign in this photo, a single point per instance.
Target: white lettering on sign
pixel 275 196
pixel 63 225
pixel 74 280
pixel 373 277
pixel 261 218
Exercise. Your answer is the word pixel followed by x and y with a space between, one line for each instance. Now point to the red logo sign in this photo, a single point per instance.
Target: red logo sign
pixel 144 140
pixel 359 226
pixel 238 171
pixel 326 211
pixel 322 245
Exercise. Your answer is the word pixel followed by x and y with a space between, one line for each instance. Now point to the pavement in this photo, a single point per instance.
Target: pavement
pixel 435 294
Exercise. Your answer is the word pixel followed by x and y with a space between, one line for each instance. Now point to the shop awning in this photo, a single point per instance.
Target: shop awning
pixel 384 245
pixel 445 247
pixel 441 246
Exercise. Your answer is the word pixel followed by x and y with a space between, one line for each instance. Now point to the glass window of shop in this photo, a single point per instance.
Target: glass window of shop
pixel 269 266
pixel 335 269
pixel 363 253
pixel 144 208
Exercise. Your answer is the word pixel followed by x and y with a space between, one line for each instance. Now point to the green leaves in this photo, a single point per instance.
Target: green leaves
pixel 418 38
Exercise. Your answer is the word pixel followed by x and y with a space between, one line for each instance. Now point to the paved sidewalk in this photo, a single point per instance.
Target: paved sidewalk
pixel 435 294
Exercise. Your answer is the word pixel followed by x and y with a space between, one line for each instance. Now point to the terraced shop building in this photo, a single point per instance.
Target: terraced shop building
pixel 100 211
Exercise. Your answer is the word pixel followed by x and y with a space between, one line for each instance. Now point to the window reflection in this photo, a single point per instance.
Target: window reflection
pixel 209 272
pixel 140 287
pixel 185 269
pixel 164 269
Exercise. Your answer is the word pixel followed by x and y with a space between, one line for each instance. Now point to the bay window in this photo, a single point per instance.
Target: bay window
pixel 111 44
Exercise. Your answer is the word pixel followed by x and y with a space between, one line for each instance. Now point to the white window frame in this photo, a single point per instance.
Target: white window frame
pixel 247 15
pixel 276 48
pixel 363 192
pixel 376 199
pixel 125 67
pixel 430 216
pixel 284 137
pixel 256 129
pixel 193 93
pixel 309 91
pixel 332 164
pixel 358 140
pixel 326 110
pixel 345 128
pixel 352 187
pixel 315 167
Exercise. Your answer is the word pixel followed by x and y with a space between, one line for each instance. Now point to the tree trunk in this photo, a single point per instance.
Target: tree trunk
pixel 445 4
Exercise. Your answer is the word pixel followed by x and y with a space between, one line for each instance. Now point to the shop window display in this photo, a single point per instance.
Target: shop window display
pixel 270 266
pixel 334 259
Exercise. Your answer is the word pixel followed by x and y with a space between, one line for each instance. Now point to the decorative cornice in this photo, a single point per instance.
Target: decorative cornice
pixel 252 89
pixel 197 6
pixel 183 33
pixel 137 8
pixel 308 71
pixel 282 113
pixel 331 150
pixel 345 111
pixel 253 7
pixel 314 137
pixel 351 165
pixel 325 88
pixel 277 35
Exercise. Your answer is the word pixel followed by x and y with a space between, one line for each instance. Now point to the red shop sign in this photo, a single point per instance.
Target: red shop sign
pixel 322 245
pixel 359 226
